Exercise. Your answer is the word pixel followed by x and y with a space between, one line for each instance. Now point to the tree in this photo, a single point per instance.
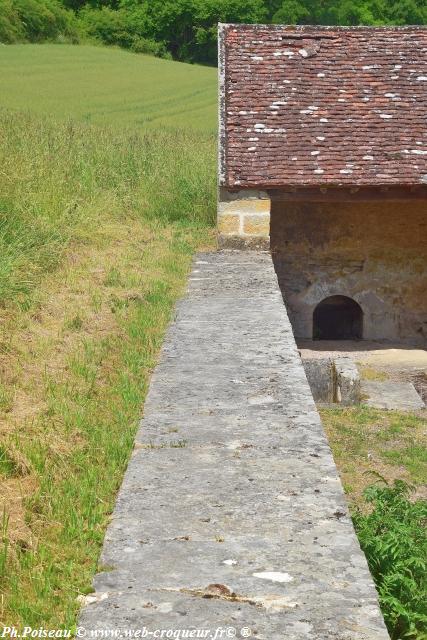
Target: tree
pixel 189 27
pixel 292 12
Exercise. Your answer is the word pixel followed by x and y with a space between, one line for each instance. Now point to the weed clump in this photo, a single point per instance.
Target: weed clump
pixel 394 538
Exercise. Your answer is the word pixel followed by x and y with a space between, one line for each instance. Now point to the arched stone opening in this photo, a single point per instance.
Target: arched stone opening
pixel 338 318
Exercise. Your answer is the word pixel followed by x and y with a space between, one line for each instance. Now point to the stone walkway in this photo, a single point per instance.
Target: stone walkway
pixel 231 515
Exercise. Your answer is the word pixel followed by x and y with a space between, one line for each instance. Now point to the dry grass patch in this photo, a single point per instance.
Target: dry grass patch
pixel 368 443
pixel 369 373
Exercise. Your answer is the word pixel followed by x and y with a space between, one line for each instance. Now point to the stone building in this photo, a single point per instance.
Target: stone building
pixel 323 159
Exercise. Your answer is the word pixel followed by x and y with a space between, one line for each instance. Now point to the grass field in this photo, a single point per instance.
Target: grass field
pixel 98 225
pixel 108 86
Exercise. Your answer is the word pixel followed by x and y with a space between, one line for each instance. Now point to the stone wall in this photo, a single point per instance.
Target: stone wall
pixel 243 219
pixel 373 252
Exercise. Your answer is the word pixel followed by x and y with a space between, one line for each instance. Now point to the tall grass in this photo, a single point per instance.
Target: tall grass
pixel 97 231
pixel 4 542
pixel 57 180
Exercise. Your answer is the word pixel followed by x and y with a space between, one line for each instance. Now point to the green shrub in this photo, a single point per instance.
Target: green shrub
pixel 182 29
pixel 105 25
pixel 291 12
pixel 394 538
pixel 188 28
pixel 36 21
pixel 149 47
pixel 119 28
pixel 11 27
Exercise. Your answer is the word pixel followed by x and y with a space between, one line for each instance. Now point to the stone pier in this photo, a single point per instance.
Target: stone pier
pixel 243 219
pixel 231 517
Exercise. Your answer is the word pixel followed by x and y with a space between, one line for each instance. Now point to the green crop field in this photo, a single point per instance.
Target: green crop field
pixel 108 86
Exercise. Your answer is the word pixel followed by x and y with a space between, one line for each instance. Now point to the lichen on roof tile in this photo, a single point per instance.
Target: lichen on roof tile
pixel 357 93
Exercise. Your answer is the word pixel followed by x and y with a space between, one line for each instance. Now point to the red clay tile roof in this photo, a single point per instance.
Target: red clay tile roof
pixel 322 106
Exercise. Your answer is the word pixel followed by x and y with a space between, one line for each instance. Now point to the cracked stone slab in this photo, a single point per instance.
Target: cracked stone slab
pixel 389 394
pixel 231 512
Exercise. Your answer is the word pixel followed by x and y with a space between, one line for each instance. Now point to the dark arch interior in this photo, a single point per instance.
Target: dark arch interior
pixel 338 318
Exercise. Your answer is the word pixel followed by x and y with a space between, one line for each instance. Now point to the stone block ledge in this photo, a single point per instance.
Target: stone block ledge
pixel 243 220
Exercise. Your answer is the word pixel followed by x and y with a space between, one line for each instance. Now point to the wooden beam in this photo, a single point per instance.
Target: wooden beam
pixel 351 193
